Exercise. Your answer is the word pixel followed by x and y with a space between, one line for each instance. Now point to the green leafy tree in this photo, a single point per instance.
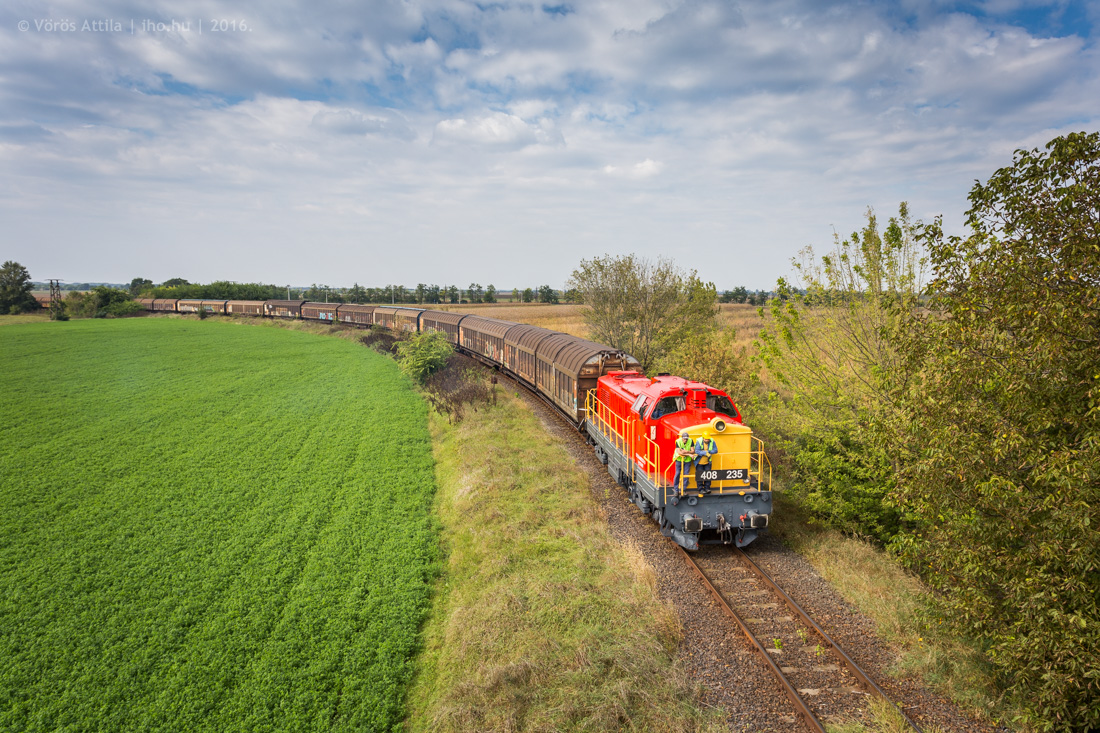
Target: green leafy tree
pixel 547 294
pixel 138 284
pixel 644 308
pixel 15 289
pixel 528 295
pixel 174 282
pixel 490 294
pixel 356 294
pixel 453 294
pixel 475 293
pixel 423 354
pixel 833 347
pixel 1004 429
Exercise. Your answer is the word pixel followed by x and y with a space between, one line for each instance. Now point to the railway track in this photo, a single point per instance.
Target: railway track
pixel 817 675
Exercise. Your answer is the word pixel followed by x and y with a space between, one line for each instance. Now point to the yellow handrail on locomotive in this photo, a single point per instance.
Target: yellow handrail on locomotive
pixel 620 432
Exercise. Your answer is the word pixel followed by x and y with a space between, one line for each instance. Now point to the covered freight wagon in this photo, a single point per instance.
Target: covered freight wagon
pixel 320 311
pixel 442 322
pixel 360 315
pixel 283 308
pixel 484 337
pixel 245 307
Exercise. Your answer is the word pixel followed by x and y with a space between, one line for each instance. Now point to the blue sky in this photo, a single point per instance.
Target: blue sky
pixel 451 142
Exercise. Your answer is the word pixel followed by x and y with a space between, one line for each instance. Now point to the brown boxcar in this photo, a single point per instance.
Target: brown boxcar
pixel 283 308
pixel 146 303
pixel 165 304
pixel 383 316
pixel 443 322
pixel 520 343
pixel 407 319
pixel 484 338
pixel 245 307
pixel 214 306
pixel 360 315
pixel 320 311
pixel 189 305
pixel 568 367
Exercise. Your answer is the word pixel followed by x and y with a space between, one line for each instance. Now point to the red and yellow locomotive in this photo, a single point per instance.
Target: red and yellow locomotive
pixel 634 423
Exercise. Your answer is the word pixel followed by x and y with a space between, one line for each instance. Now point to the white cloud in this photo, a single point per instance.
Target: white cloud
pixel 382 127
pixel 645 169
pixel 496 130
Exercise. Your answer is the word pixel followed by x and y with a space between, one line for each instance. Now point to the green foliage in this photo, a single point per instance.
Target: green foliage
pixel 737 295
pixel 833 346
pixel 15 289
pixel 547 294
pixel 208 527
pixel 422 354
pixel 220 290
pixel 1003 427
pixel 709 356
pixel 645 308
pixel 101 302
pixel 528 295
pixel 490 294
pixel 139 285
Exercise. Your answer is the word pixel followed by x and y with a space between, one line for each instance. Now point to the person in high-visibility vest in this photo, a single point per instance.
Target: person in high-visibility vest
pixel 685 458
pixel 705 447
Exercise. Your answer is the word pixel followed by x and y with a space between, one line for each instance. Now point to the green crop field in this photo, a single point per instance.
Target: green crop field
pixel 208 526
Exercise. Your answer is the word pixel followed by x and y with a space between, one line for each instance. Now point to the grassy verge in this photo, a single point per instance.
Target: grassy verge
pixel 40 317
pixel 869 579
pixel 542 622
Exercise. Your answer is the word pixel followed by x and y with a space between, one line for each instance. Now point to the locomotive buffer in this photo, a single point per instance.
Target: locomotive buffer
pixel 633 422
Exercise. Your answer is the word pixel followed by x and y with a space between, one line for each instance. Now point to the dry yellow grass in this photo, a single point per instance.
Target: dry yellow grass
pixel 570 318
pixel 565 318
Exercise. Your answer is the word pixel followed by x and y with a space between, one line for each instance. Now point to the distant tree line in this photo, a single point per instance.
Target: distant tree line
pixel 422 294
pixel 743 295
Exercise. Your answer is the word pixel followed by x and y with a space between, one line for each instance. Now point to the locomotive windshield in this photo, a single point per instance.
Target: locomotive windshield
pixel 722 404
pixel 668 405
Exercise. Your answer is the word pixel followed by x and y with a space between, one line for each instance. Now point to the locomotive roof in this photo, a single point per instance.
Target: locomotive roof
pixel 635 383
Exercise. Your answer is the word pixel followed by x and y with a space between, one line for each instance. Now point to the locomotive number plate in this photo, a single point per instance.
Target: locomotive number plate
pixel 725 474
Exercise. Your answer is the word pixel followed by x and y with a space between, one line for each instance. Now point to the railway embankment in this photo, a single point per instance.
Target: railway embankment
pixel 541 620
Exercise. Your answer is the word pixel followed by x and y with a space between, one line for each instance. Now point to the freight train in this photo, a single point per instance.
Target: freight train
pixel 632 421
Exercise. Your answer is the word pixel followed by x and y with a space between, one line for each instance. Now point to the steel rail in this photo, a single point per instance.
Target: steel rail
pixel 800 706
pixel 866 682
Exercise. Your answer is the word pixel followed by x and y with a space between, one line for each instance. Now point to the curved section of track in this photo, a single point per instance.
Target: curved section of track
pixel 753 628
